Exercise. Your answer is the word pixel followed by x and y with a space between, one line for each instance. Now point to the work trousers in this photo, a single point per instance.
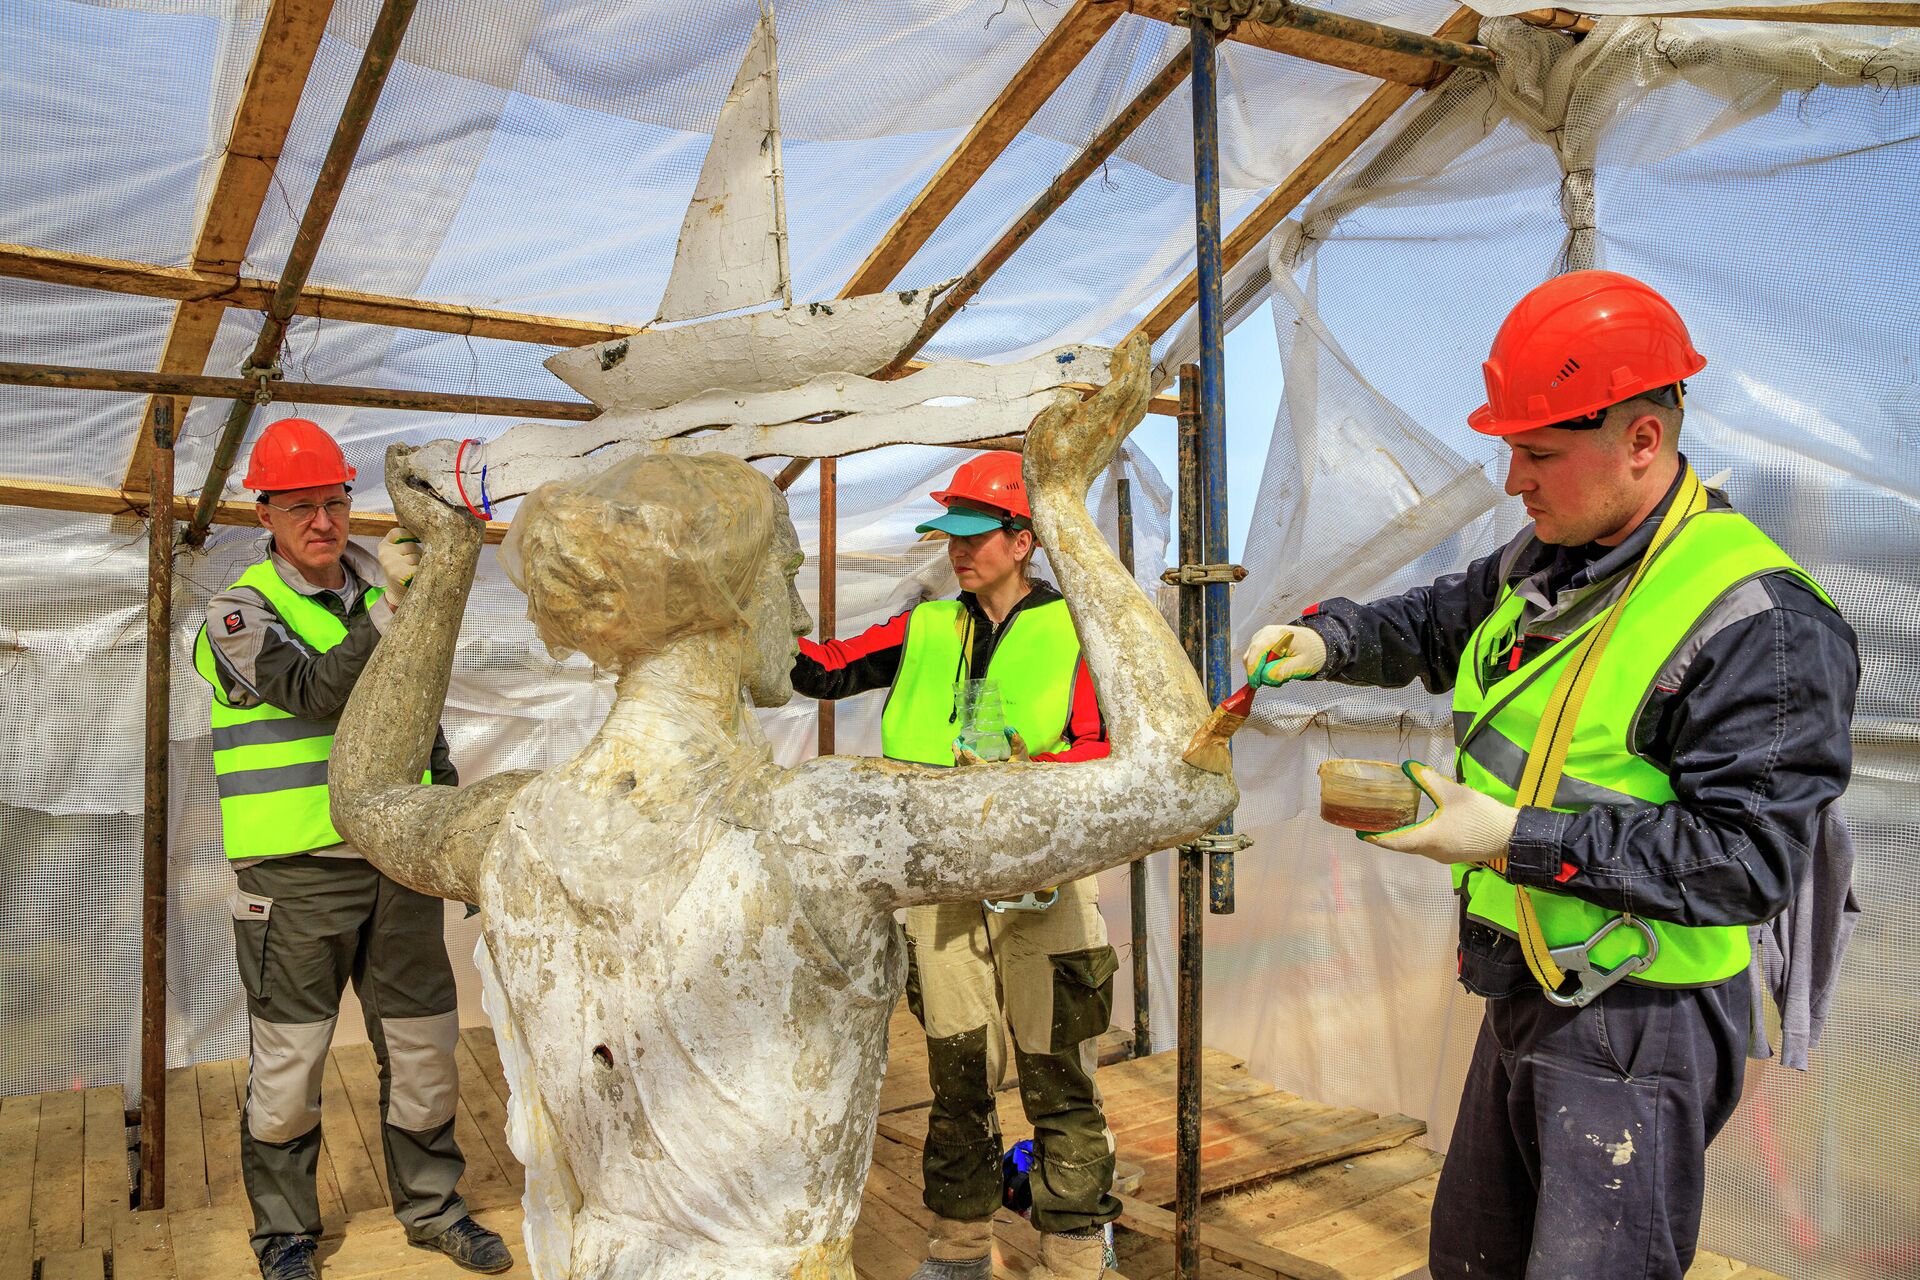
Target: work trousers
pixel 975 974
pixel 302 927
pixel 1580 1149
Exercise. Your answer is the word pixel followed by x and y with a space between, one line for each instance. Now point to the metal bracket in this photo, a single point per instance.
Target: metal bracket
pixel 1214 842
pixel 262 393
pixel 1194 575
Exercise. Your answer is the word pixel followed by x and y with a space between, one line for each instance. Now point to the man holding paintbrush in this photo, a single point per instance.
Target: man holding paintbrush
pixel 1651 709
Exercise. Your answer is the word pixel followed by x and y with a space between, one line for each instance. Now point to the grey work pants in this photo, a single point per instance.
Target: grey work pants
pixel 1580 1150
pixel 302 927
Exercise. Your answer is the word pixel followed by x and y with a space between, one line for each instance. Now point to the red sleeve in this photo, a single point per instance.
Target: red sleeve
pixel 842 668
pixel 1086 731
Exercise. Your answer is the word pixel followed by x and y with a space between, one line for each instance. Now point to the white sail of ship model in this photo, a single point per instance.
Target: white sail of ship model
pixel 732 254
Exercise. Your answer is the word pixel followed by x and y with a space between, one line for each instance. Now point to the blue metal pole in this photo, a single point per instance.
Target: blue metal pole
pixel 1213 403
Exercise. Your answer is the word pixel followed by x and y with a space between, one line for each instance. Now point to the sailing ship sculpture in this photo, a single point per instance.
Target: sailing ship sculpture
pixel 712 374
pixel 732 255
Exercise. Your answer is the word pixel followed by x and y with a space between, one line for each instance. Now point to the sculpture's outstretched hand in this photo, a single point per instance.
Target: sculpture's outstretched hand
pixel 1073 440
pixel 905 834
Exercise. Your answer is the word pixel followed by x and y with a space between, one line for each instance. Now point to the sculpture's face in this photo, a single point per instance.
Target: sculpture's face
pixel 776 618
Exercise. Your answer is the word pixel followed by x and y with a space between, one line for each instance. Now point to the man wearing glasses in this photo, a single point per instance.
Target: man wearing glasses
pixel 282 648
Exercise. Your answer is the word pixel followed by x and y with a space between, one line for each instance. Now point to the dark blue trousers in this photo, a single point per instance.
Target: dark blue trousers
pixel 1580 1150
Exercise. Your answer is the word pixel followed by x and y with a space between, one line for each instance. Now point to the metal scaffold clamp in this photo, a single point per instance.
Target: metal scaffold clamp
pixel 1198 575
pixel 261 377
pixel 1215 843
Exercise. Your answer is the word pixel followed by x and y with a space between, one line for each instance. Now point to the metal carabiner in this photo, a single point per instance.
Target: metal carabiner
pixel 1576 961
pixel 1029 901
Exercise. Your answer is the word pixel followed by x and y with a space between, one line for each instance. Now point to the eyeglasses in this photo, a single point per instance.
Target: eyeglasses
pixel 304 512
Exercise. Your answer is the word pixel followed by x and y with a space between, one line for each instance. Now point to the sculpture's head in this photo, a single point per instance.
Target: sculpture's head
pixel 659 548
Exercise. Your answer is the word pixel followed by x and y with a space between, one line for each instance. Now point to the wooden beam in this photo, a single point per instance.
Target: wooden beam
pixel 183 284
pixel 1058 192
pixel 1382 64
pixel 69 378
pixel 1222 1245
pixel 1071 39
pixel 336 169
pixel 1558 20
pixel 1852 15
pixel 45 495
pixel 1849 15
pixel 1287 16
pixel 289 39
pixel 1253 229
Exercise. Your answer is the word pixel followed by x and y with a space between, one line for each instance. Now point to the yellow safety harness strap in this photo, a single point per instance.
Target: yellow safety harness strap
pixel 1548 756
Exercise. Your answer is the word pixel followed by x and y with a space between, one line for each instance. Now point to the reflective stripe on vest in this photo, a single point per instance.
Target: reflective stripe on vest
pixel 270 766
pixel 1033 662
pixel 1494 728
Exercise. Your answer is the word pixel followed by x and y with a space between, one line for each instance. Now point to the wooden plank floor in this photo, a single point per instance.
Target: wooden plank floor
pixel 1294 1188
pixel 64 1170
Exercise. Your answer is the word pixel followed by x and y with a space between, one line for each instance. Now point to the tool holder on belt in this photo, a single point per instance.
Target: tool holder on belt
pixel 1551 965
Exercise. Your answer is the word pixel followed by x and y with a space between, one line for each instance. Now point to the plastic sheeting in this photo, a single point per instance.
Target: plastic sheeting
pixel 538 157
pixel 1760 177
pixel 72 653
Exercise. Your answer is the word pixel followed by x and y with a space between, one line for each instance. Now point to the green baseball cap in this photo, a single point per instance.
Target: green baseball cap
pixel 959 522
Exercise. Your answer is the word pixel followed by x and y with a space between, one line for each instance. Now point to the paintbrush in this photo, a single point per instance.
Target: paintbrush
pixel 1208 749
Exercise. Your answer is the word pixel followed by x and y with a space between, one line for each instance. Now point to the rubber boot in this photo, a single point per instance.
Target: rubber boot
pixel 1075 1257
pixel 957 1251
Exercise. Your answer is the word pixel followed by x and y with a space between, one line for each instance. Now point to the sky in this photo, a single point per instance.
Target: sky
pixel 1254 385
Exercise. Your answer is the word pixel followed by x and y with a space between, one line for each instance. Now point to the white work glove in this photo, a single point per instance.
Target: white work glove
pixel 1280 654
pixel 399 559
pixel 1465 826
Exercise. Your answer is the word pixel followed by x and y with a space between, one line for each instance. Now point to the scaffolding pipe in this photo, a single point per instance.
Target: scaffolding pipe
pixel 1286 15
pixel 1137 869
pixel 1192 922
pixel 829 579
pixel 383 45
pixel 153 858
pixel 1097 152
pixel 1211 547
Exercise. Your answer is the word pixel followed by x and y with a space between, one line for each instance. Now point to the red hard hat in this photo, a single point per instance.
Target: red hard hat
pixel 295 453
pixel 1577 344
pixel 991 479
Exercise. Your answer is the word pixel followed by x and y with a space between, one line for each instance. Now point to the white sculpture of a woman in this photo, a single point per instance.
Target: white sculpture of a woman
pixel 693 950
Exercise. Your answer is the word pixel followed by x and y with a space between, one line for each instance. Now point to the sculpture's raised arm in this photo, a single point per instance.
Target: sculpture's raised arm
pixel 428 838
pixel 911 833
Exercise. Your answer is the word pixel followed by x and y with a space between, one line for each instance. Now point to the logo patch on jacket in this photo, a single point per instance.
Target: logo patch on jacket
pixel 234 622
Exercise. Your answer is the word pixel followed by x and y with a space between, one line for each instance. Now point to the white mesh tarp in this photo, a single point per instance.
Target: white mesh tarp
pixel 1760 177
pixel 538 157
pixel 72 654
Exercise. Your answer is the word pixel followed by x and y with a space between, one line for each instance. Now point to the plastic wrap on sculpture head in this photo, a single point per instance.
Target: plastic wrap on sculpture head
pixel 651 550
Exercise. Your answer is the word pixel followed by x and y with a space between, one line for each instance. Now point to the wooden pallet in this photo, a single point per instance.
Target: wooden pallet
pixel 1292 1188
pixel 1295 1188
pixel 64 1169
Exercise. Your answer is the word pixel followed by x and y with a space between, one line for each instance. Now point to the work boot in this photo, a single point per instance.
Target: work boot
pixel 1080 1256
pixel 957 1251
pixel 288 1258
pixel 470 1245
